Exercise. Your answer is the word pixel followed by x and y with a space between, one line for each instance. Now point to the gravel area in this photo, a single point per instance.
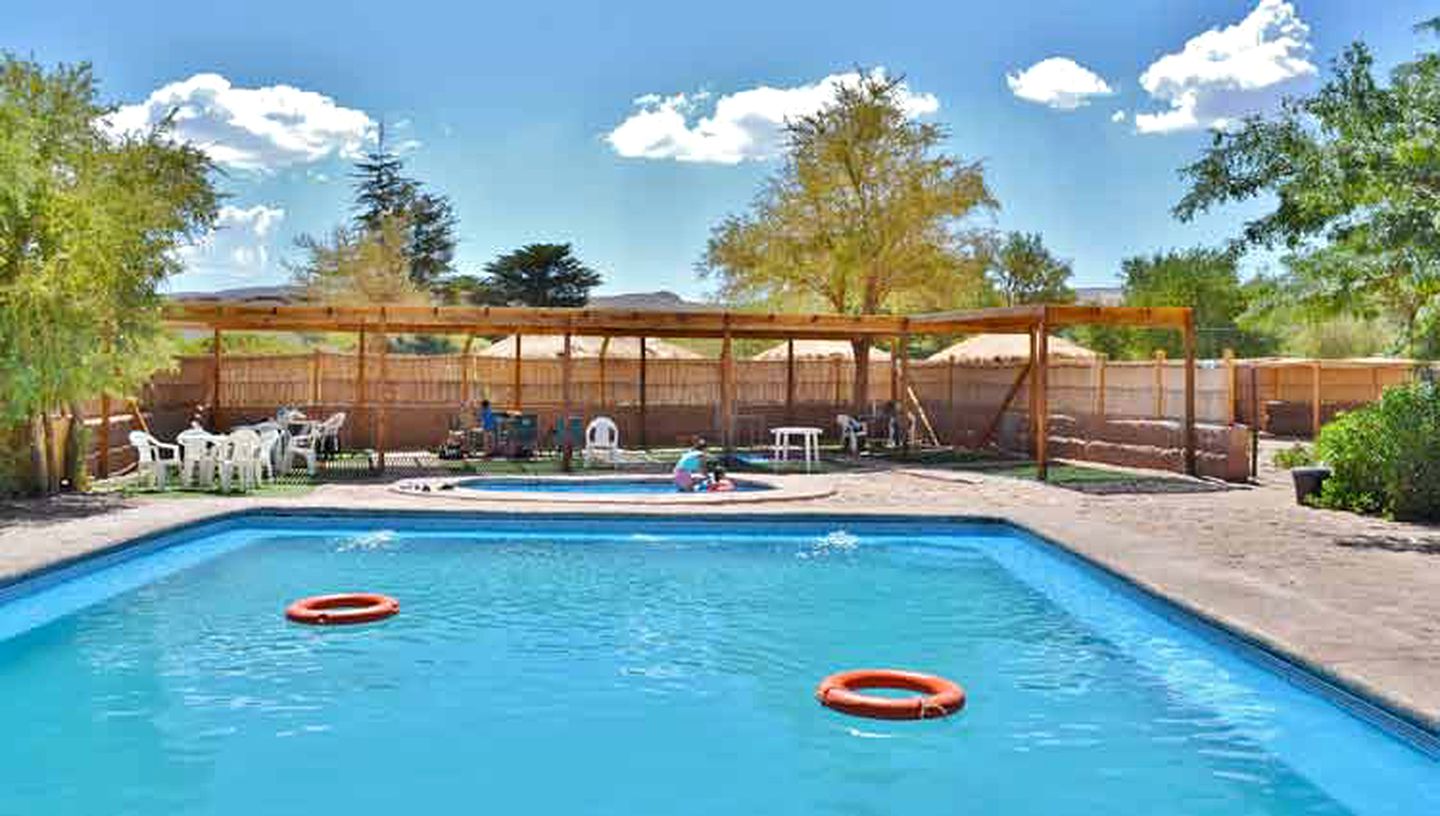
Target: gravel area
pixel 1355 598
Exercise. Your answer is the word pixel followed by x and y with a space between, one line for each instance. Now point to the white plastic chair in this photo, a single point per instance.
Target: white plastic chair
pixel 152 457
pixel 853 433
pixel 602 441
pixel 329 431
pixel 241 460
pixel 270 439
pixel 304 447
pixel 199 456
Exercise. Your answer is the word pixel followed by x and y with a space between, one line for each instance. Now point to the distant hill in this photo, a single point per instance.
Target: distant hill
pixel 283 294
pixel 1099 296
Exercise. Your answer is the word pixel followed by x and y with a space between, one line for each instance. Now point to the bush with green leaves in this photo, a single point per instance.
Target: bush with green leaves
pixel 1385 457
pixel 1296 455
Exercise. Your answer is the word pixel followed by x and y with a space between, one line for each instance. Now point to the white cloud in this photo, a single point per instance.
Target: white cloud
pixel 257 129
pixel 744 126
pixel 1058 82
pixel 1117 116
pixel 237 251
pixel 1226 73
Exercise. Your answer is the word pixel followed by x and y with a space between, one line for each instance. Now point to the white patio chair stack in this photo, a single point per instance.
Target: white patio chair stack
pixel 853 433
pixel 329 431
pixel 156 458
pixel 240 460
pixel 304 447
pixel 270 451
pixel 199 456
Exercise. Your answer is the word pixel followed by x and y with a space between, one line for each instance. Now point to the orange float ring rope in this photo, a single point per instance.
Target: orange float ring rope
pixel 346 607
pixel 941 697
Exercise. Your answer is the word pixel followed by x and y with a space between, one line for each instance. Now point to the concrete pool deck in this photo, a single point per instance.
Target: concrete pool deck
pixel 1357 599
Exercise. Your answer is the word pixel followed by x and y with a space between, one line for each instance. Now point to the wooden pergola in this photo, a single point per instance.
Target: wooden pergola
pixel 379 321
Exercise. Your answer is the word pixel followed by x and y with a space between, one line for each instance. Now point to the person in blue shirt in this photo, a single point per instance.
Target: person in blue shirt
pixel 489 423
pixel 690 469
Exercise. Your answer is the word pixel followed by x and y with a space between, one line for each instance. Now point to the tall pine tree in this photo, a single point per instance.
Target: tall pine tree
pixel 383 191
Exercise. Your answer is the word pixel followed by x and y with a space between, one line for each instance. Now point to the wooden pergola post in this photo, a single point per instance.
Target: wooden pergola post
pixel 315 377
pixel 902 353
pixel 727 393
pixel 102 463
pixel 1032 390
pixel 1042 400
pixel 567 445
pixel 644 437
pixel 515 389
pixel 215 381
pixel 362 396
pixel 1315 399
pixel 895 371
pixel 790 381
pixel 382 424
pixel 604 349
pixel 1191 465
pixel 465 390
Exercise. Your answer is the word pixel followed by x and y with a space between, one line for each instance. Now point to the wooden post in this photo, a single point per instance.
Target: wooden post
pixel 604 349
pixel 466 390
pixel 383 419
pixel 1376 391
pixel 1032 390
pixel 644 438
pixel 727 395
pixel 895 371
pixel 515 390
pixel 1042 402
pixel 1255 421
pixel 1191 465
pixel 362 397
pixel 902 353
pixel 790 381
pixel 315 387
pixel 567 445
pixel 215 382
pixel 1230 389
pixel 1315 399
pixel 102 463
pixel 1101 362
pixel 839 387
pixel 1160 383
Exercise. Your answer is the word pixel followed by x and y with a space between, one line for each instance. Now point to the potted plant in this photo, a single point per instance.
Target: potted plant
pixel 1308 474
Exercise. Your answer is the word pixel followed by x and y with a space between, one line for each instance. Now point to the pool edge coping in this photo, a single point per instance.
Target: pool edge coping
pixel 1358 697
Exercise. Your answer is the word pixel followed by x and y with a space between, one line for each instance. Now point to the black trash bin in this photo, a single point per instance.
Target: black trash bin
pixel 1308 481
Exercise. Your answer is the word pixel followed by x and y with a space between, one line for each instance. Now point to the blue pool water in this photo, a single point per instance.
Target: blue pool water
pixel 561 484
pixel 632 666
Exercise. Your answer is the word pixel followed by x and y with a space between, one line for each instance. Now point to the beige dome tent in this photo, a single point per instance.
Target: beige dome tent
pixel 819 350
pixel 553 346
pixel 1009 348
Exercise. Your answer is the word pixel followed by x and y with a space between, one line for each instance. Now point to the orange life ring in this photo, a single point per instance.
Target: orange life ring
pixel 346 607
pixel 941 697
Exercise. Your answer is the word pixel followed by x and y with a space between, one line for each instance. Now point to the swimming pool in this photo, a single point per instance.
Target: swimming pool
pixel 636 665
pixel 641 485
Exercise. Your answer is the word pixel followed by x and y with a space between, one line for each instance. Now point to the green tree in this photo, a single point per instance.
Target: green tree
pixel 383 191
pixel 866 216
pixel 1351 173
pixel 89 225
pixel 358 266
pixel 539 275
pixel 1024 271
pixel 1206 280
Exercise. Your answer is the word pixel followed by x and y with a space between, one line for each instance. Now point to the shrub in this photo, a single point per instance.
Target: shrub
pixel 1294 456
pixel 1385 457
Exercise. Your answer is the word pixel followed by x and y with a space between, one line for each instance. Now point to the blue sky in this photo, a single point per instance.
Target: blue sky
pixel 509 109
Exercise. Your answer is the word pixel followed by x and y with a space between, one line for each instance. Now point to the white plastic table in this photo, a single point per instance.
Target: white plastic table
pixel 809 443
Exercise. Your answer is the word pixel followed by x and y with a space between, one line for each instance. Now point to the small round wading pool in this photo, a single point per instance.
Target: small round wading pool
pixel 613 489
pixel 649 485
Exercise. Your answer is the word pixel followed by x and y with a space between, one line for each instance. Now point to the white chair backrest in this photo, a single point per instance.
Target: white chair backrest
pixel 195 442
pixel 244 444
pixel 144 445
pixel 602 433
pixel 333 422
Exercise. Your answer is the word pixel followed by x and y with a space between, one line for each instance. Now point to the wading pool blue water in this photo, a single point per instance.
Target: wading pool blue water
pixel 632 665
pixel 560 484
